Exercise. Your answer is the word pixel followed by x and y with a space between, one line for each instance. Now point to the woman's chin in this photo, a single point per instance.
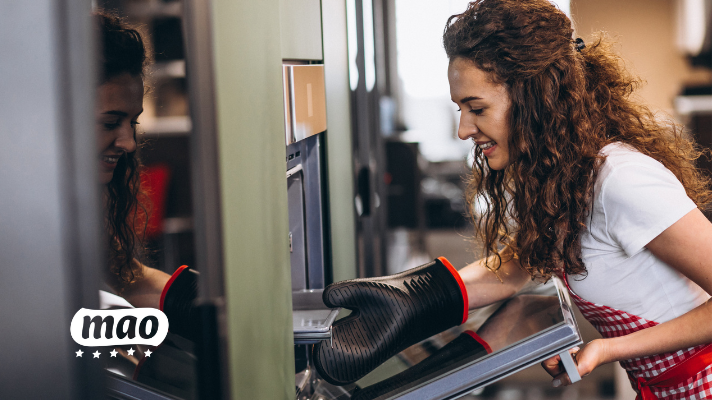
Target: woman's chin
pixel 496 164
pixel 105 177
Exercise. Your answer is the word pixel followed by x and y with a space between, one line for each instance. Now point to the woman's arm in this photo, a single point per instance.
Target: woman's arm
pixel 687 247
pixel 484 287
pixel 146 291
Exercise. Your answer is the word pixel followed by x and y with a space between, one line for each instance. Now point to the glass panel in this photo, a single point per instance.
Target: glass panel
pixel 163 221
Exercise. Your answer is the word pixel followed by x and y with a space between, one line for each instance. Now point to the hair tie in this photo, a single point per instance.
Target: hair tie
pixel 580 45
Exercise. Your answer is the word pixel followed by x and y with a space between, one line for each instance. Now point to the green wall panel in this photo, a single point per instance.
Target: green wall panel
pixel 300 23
pixel 248 80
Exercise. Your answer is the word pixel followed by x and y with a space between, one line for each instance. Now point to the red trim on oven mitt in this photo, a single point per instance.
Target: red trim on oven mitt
pixel 178 303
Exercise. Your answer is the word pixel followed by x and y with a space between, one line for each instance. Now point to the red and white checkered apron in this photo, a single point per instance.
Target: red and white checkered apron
pixel 685 374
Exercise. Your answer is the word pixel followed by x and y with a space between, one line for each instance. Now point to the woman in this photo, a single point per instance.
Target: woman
pixel 119 103
pixel 580 181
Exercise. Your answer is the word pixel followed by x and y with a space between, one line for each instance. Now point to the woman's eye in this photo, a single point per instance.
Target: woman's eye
pixel 111 125
pixel 459 109
pixel 477 111
pixel 134 123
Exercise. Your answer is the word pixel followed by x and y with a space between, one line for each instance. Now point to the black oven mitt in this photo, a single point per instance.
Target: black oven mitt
pixel 468 346
pixel 389 314
pixel 178 303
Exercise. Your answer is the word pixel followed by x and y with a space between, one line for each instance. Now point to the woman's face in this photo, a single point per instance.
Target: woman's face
pixel 484 110
pixel 119 102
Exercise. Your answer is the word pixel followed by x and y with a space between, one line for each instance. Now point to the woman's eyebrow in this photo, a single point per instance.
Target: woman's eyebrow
pixel 117 113
pixel 470 98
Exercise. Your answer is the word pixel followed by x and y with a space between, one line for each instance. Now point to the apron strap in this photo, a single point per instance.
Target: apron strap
pixel 676 375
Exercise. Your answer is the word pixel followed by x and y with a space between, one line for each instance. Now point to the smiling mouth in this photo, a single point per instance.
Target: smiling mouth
pixel 110 159
pixel 487 145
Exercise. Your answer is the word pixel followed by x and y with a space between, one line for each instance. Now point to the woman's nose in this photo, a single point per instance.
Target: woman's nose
pixel 466 131
pixel 126 140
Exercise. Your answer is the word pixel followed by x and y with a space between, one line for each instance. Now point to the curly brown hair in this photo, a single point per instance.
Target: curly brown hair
pixel 566 104
pixel 123 51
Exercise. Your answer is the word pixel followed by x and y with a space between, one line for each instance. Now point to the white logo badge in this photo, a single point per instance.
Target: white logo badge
pixel 116 327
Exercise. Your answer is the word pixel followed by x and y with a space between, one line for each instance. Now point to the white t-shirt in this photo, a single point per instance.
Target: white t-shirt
pixel 635 199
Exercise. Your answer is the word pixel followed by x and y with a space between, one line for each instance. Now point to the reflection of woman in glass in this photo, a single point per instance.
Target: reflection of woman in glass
pixel 576 179
pixel 119 102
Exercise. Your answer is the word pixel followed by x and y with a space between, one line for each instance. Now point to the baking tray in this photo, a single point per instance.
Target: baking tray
pixel 311 319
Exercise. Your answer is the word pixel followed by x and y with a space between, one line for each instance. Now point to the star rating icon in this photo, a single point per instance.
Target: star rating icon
pixel 79 353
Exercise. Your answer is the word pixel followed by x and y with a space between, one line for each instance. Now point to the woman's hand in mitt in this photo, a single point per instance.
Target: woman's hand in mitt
pixel 389 314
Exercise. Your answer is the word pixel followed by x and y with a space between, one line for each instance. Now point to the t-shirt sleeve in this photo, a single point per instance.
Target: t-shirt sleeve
pixel 640 201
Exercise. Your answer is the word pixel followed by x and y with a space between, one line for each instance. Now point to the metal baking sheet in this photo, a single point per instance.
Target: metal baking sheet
pixel 311 319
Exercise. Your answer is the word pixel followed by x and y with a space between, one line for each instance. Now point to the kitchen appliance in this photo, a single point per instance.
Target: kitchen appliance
pixel 305 130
